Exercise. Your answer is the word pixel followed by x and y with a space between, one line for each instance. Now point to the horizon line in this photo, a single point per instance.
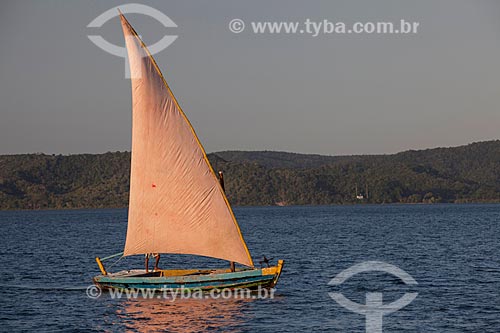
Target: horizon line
pixel 264 150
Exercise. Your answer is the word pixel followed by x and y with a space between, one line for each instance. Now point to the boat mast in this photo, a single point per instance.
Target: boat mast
pixel 221 181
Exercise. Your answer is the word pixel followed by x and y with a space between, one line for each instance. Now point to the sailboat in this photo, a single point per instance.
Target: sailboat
pixel 177 203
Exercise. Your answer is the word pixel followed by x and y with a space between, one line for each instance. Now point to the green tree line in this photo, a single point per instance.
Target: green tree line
pixel 468 173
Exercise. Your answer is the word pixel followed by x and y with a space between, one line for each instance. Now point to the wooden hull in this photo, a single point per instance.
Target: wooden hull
pixel 192 279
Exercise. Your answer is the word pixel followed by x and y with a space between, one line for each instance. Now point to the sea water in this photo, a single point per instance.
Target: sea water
pixel 451 251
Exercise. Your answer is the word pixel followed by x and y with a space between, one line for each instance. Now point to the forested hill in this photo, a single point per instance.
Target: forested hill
pixel 462 174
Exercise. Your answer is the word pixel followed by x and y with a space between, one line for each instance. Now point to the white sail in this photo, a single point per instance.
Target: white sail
pixel 176 202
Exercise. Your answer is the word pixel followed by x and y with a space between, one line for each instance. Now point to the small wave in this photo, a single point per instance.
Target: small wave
pixel 43 288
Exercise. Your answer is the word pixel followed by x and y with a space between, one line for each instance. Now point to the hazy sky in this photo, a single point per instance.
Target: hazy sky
pixel 332 94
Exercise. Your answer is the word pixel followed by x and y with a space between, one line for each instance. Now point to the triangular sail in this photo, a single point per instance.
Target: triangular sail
pixel 176 202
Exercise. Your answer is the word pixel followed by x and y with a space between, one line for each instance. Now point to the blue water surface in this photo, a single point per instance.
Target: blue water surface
pixel 452 251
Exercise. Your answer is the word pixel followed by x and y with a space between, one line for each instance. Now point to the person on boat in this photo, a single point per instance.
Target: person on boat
pixel 157 260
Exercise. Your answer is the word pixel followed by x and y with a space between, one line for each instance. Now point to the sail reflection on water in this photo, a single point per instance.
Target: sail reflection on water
pixel 183 315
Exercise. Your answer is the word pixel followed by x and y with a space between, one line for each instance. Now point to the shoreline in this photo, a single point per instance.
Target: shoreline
pixel 280 206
